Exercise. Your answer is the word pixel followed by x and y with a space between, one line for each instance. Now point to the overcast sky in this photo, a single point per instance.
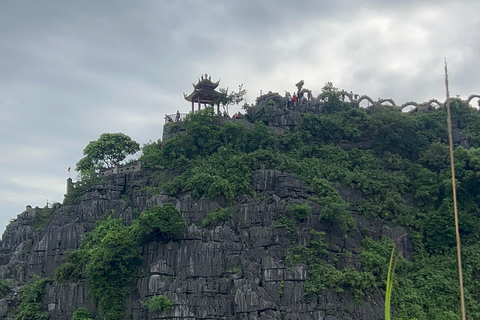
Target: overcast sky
pixel 72 70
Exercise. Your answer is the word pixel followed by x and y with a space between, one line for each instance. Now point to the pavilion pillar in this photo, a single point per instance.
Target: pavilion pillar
pixel 199 103
pixel 193 107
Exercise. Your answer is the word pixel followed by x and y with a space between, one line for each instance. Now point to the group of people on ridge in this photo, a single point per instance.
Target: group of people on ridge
pixel 295 100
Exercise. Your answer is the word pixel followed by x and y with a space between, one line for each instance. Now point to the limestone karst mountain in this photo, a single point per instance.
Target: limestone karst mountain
pixel 288 213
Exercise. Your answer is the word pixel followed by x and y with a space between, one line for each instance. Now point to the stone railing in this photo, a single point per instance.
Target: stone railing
pixel 173 117
pixel 432 103
pixel 132 167
pixel 356 100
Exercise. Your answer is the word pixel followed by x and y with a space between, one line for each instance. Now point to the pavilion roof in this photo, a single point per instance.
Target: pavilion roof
pixel 204 90
pixel 206 83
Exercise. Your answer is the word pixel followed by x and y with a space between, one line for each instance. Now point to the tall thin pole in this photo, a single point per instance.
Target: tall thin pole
pixel 454 190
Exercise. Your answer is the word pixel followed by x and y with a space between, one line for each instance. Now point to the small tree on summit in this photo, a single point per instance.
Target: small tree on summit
pixel 106 152
pixel 226 99
pixel 332 99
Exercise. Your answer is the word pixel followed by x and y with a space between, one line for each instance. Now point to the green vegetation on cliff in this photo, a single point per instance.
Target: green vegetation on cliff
pixel 110 255
pixel 30 300
pixel 158 303
pixel 82 314
pixel 5 288
pixel 397 163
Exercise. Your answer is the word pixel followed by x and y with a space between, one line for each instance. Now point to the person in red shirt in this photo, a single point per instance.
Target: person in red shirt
pixel 294 99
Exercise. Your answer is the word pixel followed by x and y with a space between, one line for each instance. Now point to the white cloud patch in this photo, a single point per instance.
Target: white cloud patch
pixel 33 153
pixel 46 183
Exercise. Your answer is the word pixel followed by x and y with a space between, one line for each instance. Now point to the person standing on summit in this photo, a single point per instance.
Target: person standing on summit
pixel 289 99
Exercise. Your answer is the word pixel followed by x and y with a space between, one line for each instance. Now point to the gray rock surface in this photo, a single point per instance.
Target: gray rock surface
pixel 236 270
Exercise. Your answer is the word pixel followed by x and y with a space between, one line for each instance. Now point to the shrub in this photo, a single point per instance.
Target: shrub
pixel 150 191
pixel 72 270
pixel 30 298
pixel 82 314
pixel 151 155
pixel 158 303
pixel 335 211
pixel 209 184
pixel 158 223
pixel 111 271
pixel 5 288
pixel 110 255
pixel 301 212
pixel 324 275
pixel 374 257
pixel 107 258
pixel 42 218
pixel 261 138
pixel 217 217
pixel 234 135
pixel 320 129
pixel 395 132
pixel 290 230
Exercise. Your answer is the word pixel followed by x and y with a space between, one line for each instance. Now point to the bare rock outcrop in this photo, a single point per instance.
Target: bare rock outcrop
pixel 236 270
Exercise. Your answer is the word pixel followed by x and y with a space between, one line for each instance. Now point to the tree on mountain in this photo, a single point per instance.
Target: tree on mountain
pixel 226 99
pixel 106 152
pixel 331 97
pixel 151 154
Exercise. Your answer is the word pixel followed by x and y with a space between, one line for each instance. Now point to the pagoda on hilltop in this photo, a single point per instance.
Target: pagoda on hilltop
pixel 204 92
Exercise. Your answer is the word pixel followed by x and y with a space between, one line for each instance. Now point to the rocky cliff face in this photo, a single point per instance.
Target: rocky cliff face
pixel 236 270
